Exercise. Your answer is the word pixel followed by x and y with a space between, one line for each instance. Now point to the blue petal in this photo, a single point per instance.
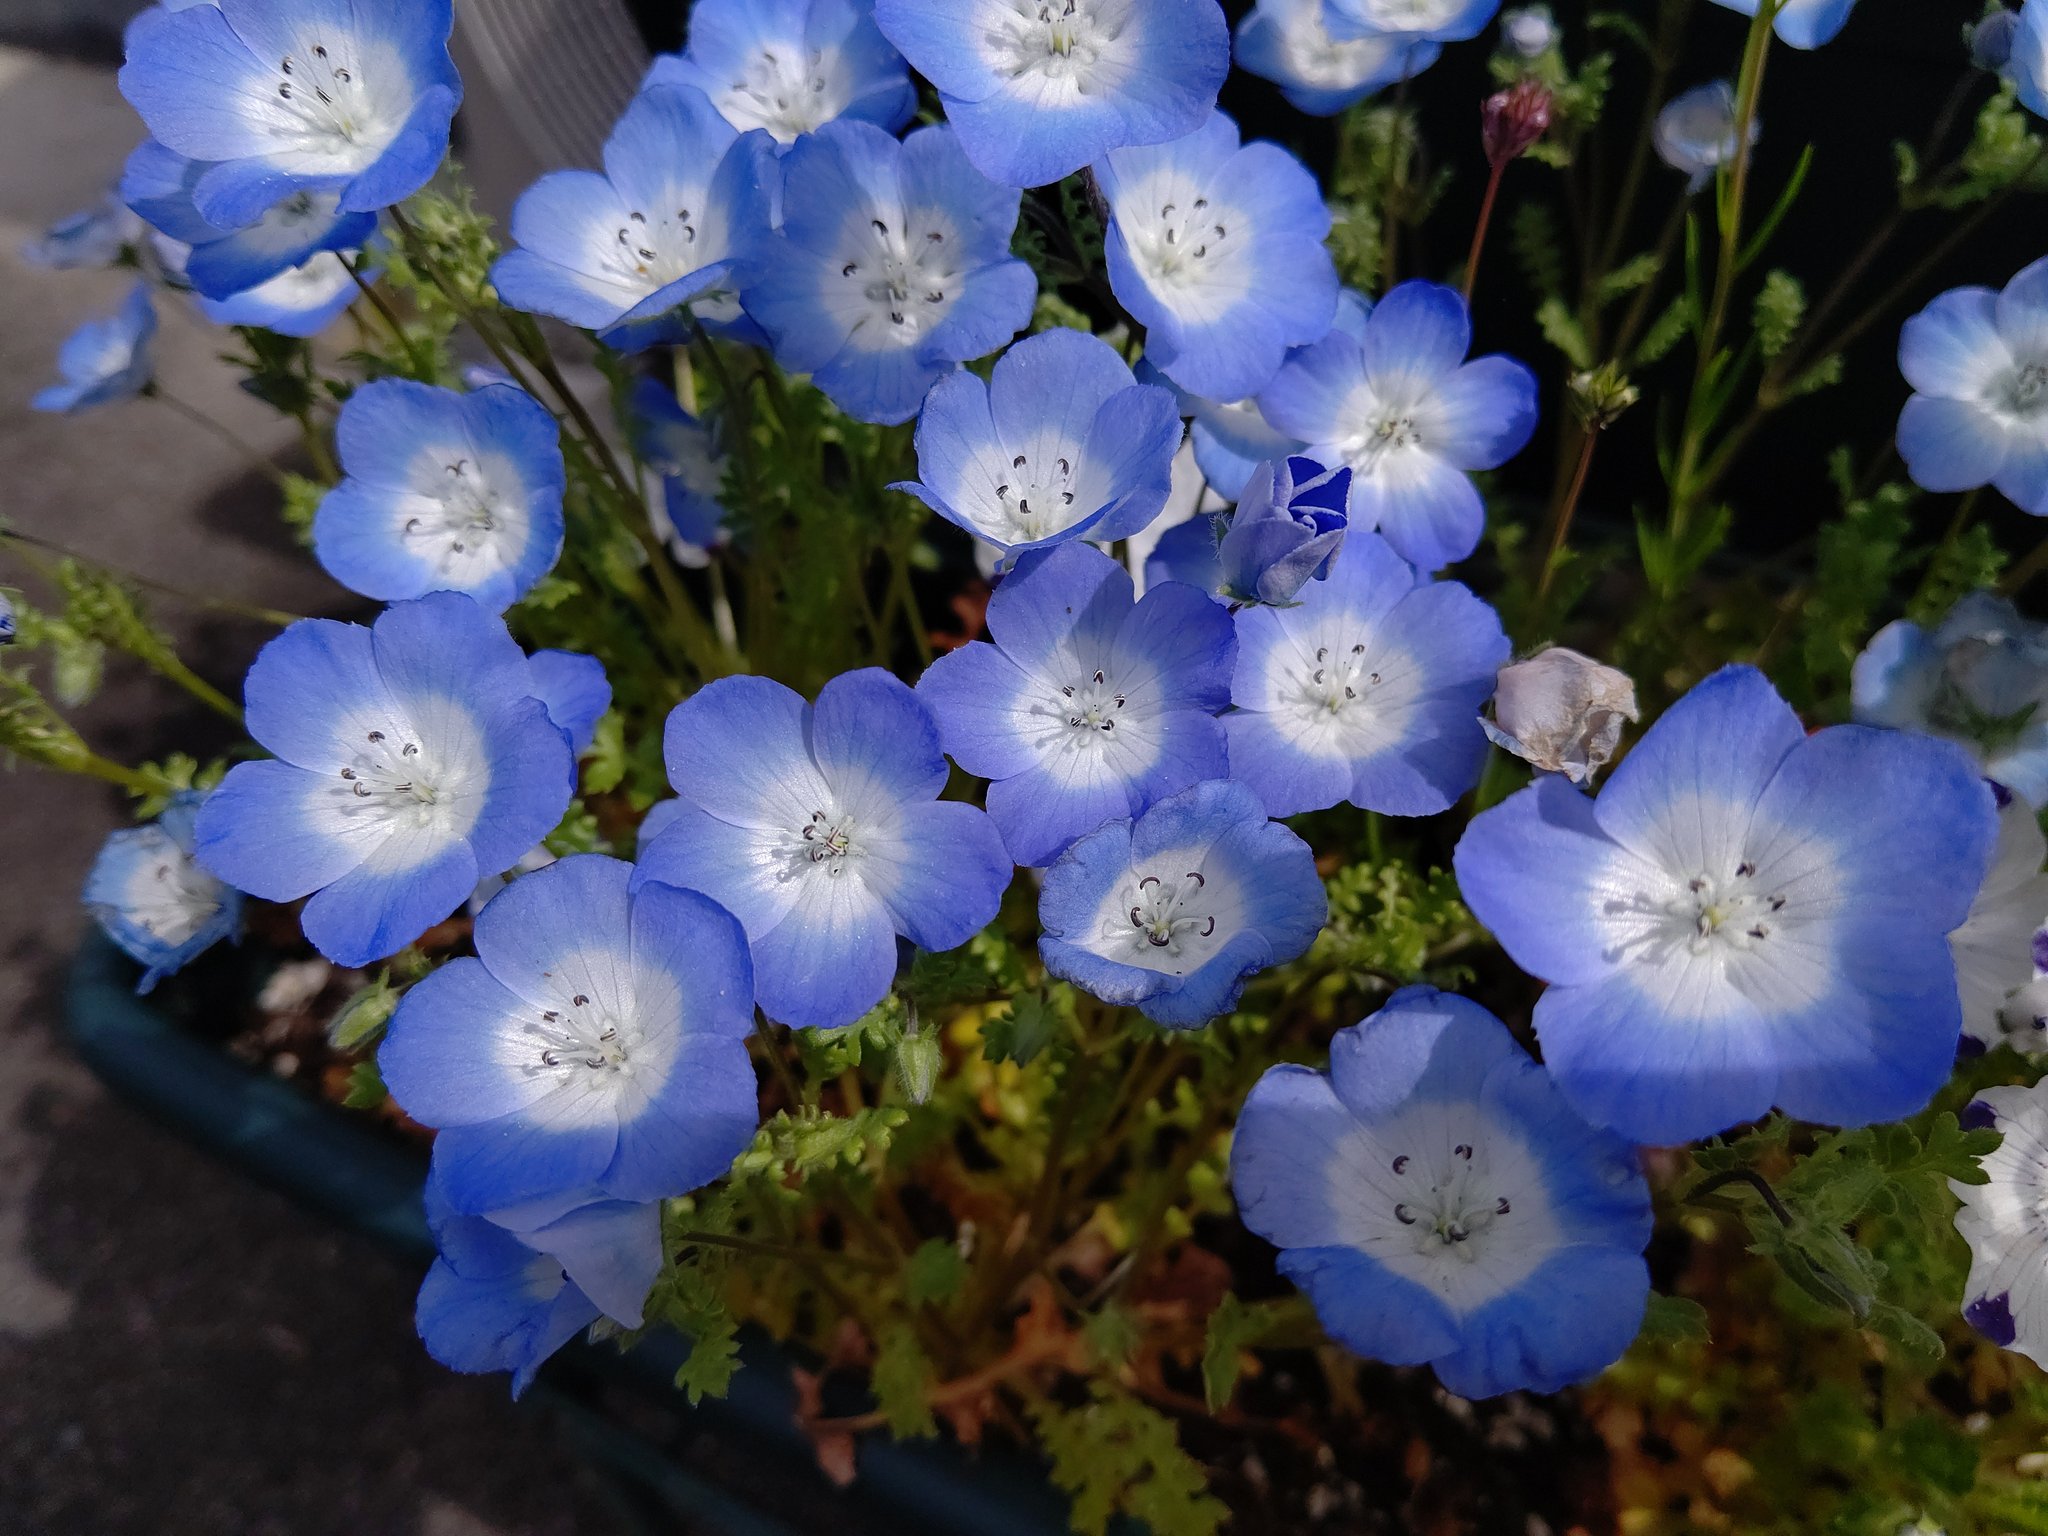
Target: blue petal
pixel 259 832
pixel 1952 445
pixel 456 1052
pixel 743 868
pixel 611 1251
pixel 1534 869
pixel 1952 347
pixel 1719 746
pixel 1568 1321
pixel 978 697
pixel 1417 336
pixel 1425 508
pixel 942 872
pixel 575 692
pixel 830 960
pixel 400 890
pixel 562 1142
pixel 1289 1133
pixel 679 1134
pixel 1369 1309
pixel 875 744
pixel 1483 414
pixel 411 160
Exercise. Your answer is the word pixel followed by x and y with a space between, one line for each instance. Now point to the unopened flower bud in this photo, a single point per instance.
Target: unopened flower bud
pixel 1696 134
pixel 1561 712
pixel 1529 31
pixel 1991 41
pixel 1514 119
pixel 1599 396
pixel 918 1059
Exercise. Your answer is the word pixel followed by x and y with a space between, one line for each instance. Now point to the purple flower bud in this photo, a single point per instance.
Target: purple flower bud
pixel 1991 41
pixel 1514 119
pixel 1288 525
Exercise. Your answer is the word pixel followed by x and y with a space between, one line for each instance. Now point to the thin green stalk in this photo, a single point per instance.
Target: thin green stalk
pixel 1561 521
pixel 182 594
pixel 1730 196
pixel 422 363
pixel 257 459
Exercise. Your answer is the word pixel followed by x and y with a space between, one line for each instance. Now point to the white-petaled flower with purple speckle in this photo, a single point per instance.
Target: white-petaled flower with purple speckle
pixel 2005 1222
pixel 1994 948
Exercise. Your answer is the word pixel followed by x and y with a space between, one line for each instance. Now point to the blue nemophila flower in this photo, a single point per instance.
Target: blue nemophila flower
pixel 820 829
pixel 1061 443
pixel 1399 404
pixel 8 626
pixel 1367 690
pixel 1231 439
pixel 1288 526
pixel 1090 706
pixel 1216 248
pixel 105 360
pixel 411 758
pixel 1290 42
pixel 1802 23
pixel 1992 41
pixel 1441 1203
pixel 650 249
pixel 445 492
pixel 1040 88
pixel 1171 913
pixel 510 1289
pixel 1746 916
pixel 1695 133
pixel 1979 678
pixel 1430 21
pixel 596 1044
pixel 2005 1297
pixel 351 97
pixel 93 237
pixel 892 266
pixel 1978 363
pixel 301 301
pixel 789 67
pixel 152 898
pixel 688 456
pixel 160 185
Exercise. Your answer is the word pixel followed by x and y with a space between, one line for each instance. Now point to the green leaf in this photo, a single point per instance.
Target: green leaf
pixel 1674 1320
pixel 1629 276
pixel 902 1381
pixel 714 1357
pixel 1780 306
pixel 1023 1033
pixel 1760 241
pixel 1562 330
pixel 1117 1455
pixel 365 1086
pixel 1113 1336
pixel 1539 247
pixel 934 1273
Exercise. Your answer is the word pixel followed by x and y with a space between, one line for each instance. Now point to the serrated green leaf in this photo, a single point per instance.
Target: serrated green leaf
pixel 1117 1455
pixel 1023 1033
pixel 902 1381
pixel 365 1086
pixel 1674 1320
pixel 934 1273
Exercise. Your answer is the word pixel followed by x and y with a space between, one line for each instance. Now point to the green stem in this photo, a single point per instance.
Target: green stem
pixel 184 595
pixel 1479 230
pixel 808 1257
pixel 257 459
pixel 1561 520
pixel 422 363
pixel 2017 579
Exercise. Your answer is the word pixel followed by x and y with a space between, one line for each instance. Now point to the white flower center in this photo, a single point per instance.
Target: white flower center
pixel 1061 40
pixel 1404 15
pixel 585 1040
pixel 1384 427
pixel 651 251
pixel 393 780
pixel 1170 914
pixel 465 526
pixel 1704 914
pixel 2024 391
pixel 324 108
pixel 1090 709
pixel 901 279
pixel 1036 498
pixel 1446 1208
pixel 1338 679
pixel 1187 243
pixel 826 842
pixel 1318 59
pixel 788 91
pixel 169 896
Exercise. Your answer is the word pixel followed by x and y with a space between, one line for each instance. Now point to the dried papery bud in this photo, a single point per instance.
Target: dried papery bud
pixel 1514 119
pixel 1561 712
pixel 1599 396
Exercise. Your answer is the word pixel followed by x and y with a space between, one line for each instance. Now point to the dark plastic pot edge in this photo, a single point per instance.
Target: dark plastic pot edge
pixel 330 1161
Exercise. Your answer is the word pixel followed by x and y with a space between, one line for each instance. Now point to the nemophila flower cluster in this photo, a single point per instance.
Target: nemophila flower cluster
pixel 962 752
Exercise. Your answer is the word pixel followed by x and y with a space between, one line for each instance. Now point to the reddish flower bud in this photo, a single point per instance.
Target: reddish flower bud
pixel 1514 119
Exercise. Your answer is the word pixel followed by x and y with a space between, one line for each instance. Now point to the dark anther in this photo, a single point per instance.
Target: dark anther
pixel 1156 941
pixel 1098 675
pixel 580 1000
pixel 1401 1163
pixel 551 1016
pixel 1196 876
pixel 1462 1150
pixel 1148 880
pixel 348 773
pixel 1067 692
pixel 1209 929
pixel 1017 462
pixel 1404 1216
pixel 1359 649
pixel 880 227
pixel 1065 467
pixel 1350 693
pixel 1136 920
pixel 1502 1208
pixel 376 735
pixel 1777 903
pixel 849 269
pixel 1744 870
pixel 1322 653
